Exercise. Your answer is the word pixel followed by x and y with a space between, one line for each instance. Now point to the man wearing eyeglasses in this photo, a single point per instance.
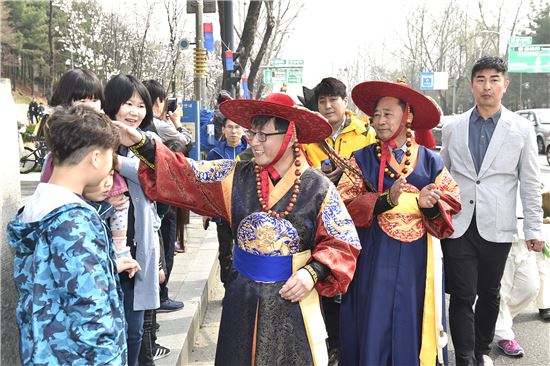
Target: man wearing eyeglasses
pixel 294 239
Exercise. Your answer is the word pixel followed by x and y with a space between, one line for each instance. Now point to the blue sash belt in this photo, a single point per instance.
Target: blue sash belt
pixel 262 268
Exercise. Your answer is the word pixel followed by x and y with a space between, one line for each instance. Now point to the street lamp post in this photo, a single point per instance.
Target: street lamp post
pixel 522 85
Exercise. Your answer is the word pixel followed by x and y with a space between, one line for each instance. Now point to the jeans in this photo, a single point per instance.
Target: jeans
pixel 149 339
pixel 134 321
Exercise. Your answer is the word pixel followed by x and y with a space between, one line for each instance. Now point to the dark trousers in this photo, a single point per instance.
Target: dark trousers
pixel 331 313
pixel 168 232
pixel 473 266
pixel 134 320
pixel 225 249
pixel 146 352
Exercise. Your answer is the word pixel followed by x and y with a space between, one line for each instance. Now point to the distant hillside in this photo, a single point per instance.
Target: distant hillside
pixel 23 95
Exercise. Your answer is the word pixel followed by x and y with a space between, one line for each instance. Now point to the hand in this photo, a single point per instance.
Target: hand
pixel 162 276
pixel 206 222
pixel 118 164
pixel 129 265
pixel 335 175
pixel 429 196
pixel 297 286
pixel 175 117
pixel 128 136
pixel 396 189
pixel 534 245
pixel 119 202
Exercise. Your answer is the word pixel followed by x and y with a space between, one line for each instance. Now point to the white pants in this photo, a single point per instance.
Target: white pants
pixel 519 286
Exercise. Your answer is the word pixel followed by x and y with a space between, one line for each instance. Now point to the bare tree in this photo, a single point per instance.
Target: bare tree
pixel 174 15
pixel 437 42
pixel 500 23
pixel 248 34
pixel 142 26
pixel 257 61
pixel 285 13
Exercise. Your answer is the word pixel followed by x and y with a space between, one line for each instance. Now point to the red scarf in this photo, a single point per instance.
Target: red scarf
pixel 270 170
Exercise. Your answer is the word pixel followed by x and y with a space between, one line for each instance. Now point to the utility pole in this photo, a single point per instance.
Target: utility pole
pixel 200 57
pixel 228 43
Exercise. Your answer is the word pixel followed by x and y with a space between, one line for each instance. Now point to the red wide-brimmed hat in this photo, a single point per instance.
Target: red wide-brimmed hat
pixel 310 127
pixel 425 113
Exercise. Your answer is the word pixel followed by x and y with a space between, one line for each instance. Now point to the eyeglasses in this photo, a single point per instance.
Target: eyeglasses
pixel 261 136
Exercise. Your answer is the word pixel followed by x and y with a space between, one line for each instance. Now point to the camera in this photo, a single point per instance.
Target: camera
pixel 172 104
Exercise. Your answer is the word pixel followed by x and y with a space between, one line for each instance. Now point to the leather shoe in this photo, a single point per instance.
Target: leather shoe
pixel 484 360
pixel 545 314
pixel 169 305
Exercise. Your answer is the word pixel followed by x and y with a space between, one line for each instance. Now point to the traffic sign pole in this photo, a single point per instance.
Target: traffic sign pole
pixel 200 56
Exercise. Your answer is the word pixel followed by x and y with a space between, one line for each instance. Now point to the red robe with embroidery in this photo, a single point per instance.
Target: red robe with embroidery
pixel 257 324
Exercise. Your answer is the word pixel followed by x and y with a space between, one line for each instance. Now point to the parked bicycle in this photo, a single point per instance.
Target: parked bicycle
pixel 31 159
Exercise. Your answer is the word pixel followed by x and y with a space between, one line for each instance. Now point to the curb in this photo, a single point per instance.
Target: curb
pixel 192 279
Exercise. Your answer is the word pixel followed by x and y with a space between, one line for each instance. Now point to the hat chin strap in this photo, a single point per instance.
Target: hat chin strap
pixel 269 170
pixel 385 148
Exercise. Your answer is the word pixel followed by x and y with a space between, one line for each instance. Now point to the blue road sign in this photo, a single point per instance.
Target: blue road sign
pixel 191 114
pixel 426 81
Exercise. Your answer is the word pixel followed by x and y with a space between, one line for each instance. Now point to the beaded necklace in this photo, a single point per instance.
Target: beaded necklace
pixel 295 187
pixel 405 164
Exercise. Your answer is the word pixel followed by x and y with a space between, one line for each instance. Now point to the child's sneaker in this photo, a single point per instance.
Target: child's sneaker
pixel 511 347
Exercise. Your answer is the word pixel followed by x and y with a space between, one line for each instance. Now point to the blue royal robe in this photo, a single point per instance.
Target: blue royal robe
pixel 382 313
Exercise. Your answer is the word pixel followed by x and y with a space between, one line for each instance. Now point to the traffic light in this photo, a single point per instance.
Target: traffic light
pixel 236 68
pixel 235 78
pixel 232 63
pixel 236 64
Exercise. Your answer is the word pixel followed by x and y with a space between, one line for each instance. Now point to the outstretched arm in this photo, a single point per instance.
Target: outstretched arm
pixel 201 186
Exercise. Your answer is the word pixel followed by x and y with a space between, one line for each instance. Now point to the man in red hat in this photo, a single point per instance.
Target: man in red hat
pixel 294 237
pixel 401 199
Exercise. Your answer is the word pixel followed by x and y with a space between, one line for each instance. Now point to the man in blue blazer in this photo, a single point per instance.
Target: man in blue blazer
pixel 488 150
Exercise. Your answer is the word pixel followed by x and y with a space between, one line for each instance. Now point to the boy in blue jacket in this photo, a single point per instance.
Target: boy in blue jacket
pixel 70 308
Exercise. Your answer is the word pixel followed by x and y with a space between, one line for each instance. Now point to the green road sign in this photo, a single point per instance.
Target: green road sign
pixel 268 76
pixel 294 76
pixel 533 58
pixel 520 41
pixel 273 75
pixel 295 62
pixel 282 62
pixel 278 62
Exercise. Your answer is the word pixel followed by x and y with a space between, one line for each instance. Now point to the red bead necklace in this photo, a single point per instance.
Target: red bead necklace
pixel 408 154
pixel 295 187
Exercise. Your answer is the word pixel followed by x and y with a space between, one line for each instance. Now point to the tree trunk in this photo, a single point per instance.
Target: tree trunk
pixel 51 69
pixel 255 66
pixel 249 32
